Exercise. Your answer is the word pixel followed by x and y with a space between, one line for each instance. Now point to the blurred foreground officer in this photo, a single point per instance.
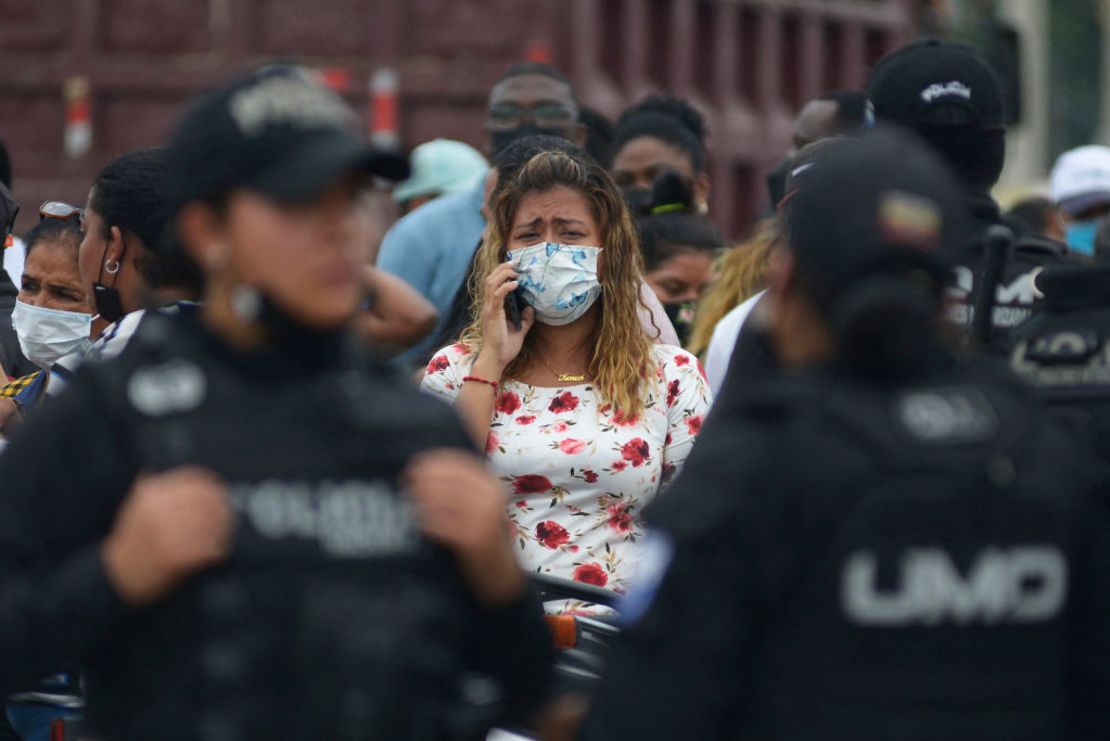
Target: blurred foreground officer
pixel 889 542
pixel 341 608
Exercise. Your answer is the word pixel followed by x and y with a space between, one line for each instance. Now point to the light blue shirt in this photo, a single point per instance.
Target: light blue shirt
pixel 431 249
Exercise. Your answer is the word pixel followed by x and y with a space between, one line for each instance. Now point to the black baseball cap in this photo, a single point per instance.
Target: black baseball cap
pixel 276 131
pixel 935 84
pixel 880 203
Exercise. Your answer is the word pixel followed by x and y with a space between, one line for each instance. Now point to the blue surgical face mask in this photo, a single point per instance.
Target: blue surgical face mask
pixel 1081 236
pixel 558 280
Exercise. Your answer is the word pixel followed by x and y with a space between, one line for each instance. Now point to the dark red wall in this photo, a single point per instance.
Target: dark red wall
pixel 747 64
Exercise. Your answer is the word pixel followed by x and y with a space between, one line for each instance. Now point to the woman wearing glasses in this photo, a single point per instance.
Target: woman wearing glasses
pixel 51 315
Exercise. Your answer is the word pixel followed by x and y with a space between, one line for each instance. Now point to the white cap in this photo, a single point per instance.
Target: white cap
pixel 1081 179
pixel 441 166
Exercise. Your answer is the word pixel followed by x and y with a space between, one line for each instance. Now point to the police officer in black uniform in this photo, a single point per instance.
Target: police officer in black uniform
pixel 1064 349
pixel 887 542
pixel 243 527
pixel 948 95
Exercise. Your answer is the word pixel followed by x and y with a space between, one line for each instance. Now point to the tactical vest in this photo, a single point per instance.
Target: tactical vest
pixel 917 588
pixel 333 618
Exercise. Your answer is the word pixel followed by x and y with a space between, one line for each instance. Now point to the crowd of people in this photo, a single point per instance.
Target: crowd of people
pixel 254 486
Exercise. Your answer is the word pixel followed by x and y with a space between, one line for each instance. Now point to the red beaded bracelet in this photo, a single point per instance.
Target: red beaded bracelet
pixel 476 379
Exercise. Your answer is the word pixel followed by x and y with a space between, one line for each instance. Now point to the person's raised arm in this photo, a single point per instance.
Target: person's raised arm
pixel 398 316
pixel 501 342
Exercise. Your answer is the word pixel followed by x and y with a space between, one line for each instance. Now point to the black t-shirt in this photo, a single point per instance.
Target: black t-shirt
pixel 923 560
pixel 332 619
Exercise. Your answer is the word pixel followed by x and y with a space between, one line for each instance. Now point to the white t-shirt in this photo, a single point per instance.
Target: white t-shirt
pixel 723 341
pixel 13 260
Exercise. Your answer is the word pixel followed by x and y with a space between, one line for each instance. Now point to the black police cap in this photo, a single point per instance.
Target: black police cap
pixel 277 132
pixel 911 85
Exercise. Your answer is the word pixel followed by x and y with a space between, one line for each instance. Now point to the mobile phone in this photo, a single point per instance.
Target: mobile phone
pixel 514 305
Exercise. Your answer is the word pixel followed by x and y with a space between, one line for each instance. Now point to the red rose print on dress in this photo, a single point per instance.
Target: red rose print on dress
pixel 589 476
pixel 460 348
pixel 551 534
pixel 492 444
pixel 681 359
pixel 438 364
pixel 636 451
pixel 591 573
pixel 508 402
pixel 701 370
pixel 624 420
pixel 531 484
pixel 564 402
pixel 526 419
pixel 570 446
pixel 619 466
pixel 620 519
pixel 673 390
pixel 693 424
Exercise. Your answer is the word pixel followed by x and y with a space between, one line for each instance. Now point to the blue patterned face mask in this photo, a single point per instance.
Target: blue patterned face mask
pixel 558 280
pixel 1081 236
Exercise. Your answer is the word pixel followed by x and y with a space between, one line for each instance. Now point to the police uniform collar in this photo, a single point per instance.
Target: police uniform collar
pixel 287 358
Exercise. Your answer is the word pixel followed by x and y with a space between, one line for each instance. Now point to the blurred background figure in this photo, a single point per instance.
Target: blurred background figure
pixel 654 137
pixel 13 252
pixel 1081 187
pixel 1037 215
pixel 836 113
pixel 679 246
pixel 599 135
pixel 430 248
pixel 439 167
pixel 12 362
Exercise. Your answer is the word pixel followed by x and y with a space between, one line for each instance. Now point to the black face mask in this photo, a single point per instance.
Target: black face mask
pixel 106 300
pixel 681 315
pixel 638 200
pixel 504 137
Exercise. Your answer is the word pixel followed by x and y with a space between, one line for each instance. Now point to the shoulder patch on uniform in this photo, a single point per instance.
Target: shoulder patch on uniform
pixel 173 386
pixel 945 416
pixel 1063 359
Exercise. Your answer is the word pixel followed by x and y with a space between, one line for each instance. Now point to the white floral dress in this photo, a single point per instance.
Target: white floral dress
pixel 579 473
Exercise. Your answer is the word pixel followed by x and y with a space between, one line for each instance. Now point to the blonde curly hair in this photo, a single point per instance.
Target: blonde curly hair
pixel 739 277
pixel 620 364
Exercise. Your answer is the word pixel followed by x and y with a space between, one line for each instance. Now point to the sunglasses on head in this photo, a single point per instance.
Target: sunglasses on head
pixel 59 210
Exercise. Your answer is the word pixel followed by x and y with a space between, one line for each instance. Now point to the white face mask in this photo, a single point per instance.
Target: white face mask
pixel 46 335
pixel 558 280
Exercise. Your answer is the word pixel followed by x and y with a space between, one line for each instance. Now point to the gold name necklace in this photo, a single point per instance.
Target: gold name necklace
pixel 563 377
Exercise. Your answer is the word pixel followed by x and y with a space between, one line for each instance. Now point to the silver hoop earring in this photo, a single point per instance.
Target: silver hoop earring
pixel 111 267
